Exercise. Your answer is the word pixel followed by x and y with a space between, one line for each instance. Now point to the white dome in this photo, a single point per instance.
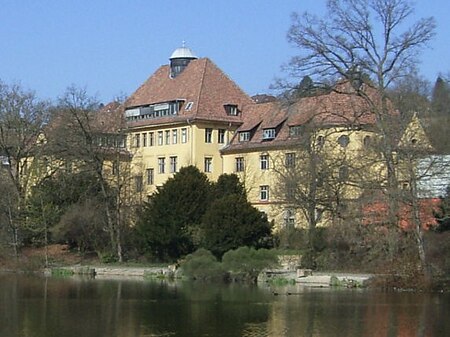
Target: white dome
pixel 183 53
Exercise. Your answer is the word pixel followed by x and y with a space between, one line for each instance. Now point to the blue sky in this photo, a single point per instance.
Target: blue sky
pixel 112 46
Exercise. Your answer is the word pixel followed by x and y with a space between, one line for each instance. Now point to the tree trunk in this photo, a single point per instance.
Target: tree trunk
pixel 418 230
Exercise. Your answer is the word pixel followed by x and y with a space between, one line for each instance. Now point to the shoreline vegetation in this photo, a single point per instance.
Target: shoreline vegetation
pixel 197 266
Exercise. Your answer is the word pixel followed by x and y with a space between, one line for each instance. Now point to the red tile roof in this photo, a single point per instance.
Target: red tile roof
pixel 110 118
pixel 201 82
pixel 341 106
pixel 338 107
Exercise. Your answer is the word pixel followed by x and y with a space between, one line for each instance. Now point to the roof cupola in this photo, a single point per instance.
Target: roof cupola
pixel 179 60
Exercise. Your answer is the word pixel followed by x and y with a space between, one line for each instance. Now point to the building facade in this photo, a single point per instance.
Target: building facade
pixel 190 113
pixel 184 114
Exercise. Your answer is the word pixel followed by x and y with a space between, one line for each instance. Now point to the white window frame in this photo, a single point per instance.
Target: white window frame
pixel 208 164
pixel 264 162
pixel 221 136
pixel 264 192
pixel 174 136
pixel 269 134
pixel 290 159
pixel 144 139
pixel 244 136
pixel 161 165
pixel 289 218
pixel 138 183
pixel 184 137
pixel 208 135
pixel 150 176
pixel 151 139
pixel 173 164
pixel 167 137
pixel 137 140
pixel 239 164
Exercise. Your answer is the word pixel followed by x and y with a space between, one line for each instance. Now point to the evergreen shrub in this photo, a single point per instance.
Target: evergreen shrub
pixel 246 263
pixel 202 265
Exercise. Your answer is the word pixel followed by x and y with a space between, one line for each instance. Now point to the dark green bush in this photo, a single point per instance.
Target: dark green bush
pixel 202 265
pixel 246 263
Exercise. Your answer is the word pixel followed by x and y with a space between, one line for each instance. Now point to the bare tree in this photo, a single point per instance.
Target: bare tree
pixel 365 43
pixel 22 120
pixel 311 180
pixel 78 135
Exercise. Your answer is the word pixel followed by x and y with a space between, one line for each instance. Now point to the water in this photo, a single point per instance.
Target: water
pixel 32 306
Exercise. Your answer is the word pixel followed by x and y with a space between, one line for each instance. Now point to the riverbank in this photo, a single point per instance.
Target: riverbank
pixel 60 258
pixel 272 277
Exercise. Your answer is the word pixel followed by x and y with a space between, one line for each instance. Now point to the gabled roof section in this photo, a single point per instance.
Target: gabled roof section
pixel 339 107
pixel 436 129
pixel 257 118
pixel 110 118
pixel 201 83
pixel 331 109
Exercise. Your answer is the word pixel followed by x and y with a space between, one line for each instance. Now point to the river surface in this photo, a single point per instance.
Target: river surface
pixel 32 306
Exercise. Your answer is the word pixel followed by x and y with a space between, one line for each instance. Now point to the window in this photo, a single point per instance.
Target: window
pixel 290 160
pixel 367 142
pixel 221 136
pixel 115 167
pixel 289 218
pixel 240 165
pixel 174 136
pixel 160 138
pixel 264 193
pixel 173 164
pixel 231 109
pixel 151 139
pixel 290 191
pixel 264 161
pixel 138 183
pixel 122 141
pixel 167 137
pixel 154 110
pixel 161 164
pixel 295 131
pixel 184 135
pixel 188 106
pixel 208 164
pixel 320 141
pixel 150 176
pixel 343 141
pixel 208 135
pixel 269 134
pixel 144 139
pixel 137 140
pixel 244 136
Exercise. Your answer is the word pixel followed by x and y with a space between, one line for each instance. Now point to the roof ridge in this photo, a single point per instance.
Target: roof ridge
pixel 201 86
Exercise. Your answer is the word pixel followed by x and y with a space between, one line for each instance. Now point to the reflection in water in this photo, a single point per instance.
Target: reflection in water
pixel 45 307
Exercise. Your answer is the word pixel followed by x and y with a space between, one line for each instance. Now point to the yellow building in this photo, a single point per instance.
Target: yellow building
pixel 190 113
pixel 182 115
pixel 317 153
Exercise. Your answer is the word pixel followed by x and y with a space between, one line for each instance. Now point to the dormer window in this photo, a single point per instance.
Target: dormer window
pixel 295 131
pixel 269 134
pixel 231 109
pixel 244 136
pixel 156 110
